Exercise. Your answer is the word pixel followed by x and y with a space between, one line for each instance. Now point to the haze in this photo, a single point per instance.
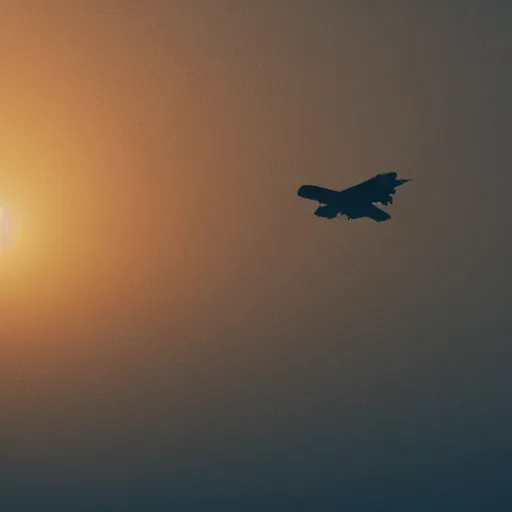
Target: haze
pixel 179 332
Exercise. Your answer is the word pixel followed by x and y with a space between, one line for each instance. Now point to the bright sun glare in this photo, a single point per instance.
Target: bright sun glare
pixel 5 229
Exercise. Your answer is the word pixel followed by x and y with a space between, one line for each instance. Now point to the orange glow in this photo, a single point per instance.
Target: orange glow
pixel 68 150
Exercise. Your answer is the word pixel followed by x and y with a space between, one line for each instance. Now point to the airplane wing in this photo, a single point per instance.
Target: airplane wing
pixel 375 213
pixel 365 187
pixel 320 194
pixel 366 210
pixel 378 189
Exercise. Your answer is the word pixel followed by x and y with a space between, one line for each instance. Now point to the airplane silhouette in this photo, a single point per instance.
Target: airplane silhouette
pixel 355 202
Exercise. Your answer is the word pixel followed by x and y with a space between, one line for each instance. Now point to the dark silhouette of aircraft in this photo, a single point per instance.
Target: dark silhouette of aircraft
pixel 355 202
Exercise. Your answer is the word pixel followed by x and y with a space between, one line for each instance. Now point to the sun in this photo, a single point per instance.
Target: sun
pixel 6 229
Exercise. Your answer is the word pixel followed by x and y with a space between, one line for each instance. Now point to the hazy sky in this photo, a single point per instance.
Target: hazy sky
pixel 179 332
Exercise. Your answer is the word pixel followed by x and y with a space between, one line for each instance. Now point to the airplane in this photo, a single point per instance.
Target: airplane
pixel 355 202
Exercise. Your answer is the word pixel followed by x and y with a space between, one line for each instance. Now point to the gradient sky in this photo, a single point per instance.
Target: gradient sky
pixel 179 332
